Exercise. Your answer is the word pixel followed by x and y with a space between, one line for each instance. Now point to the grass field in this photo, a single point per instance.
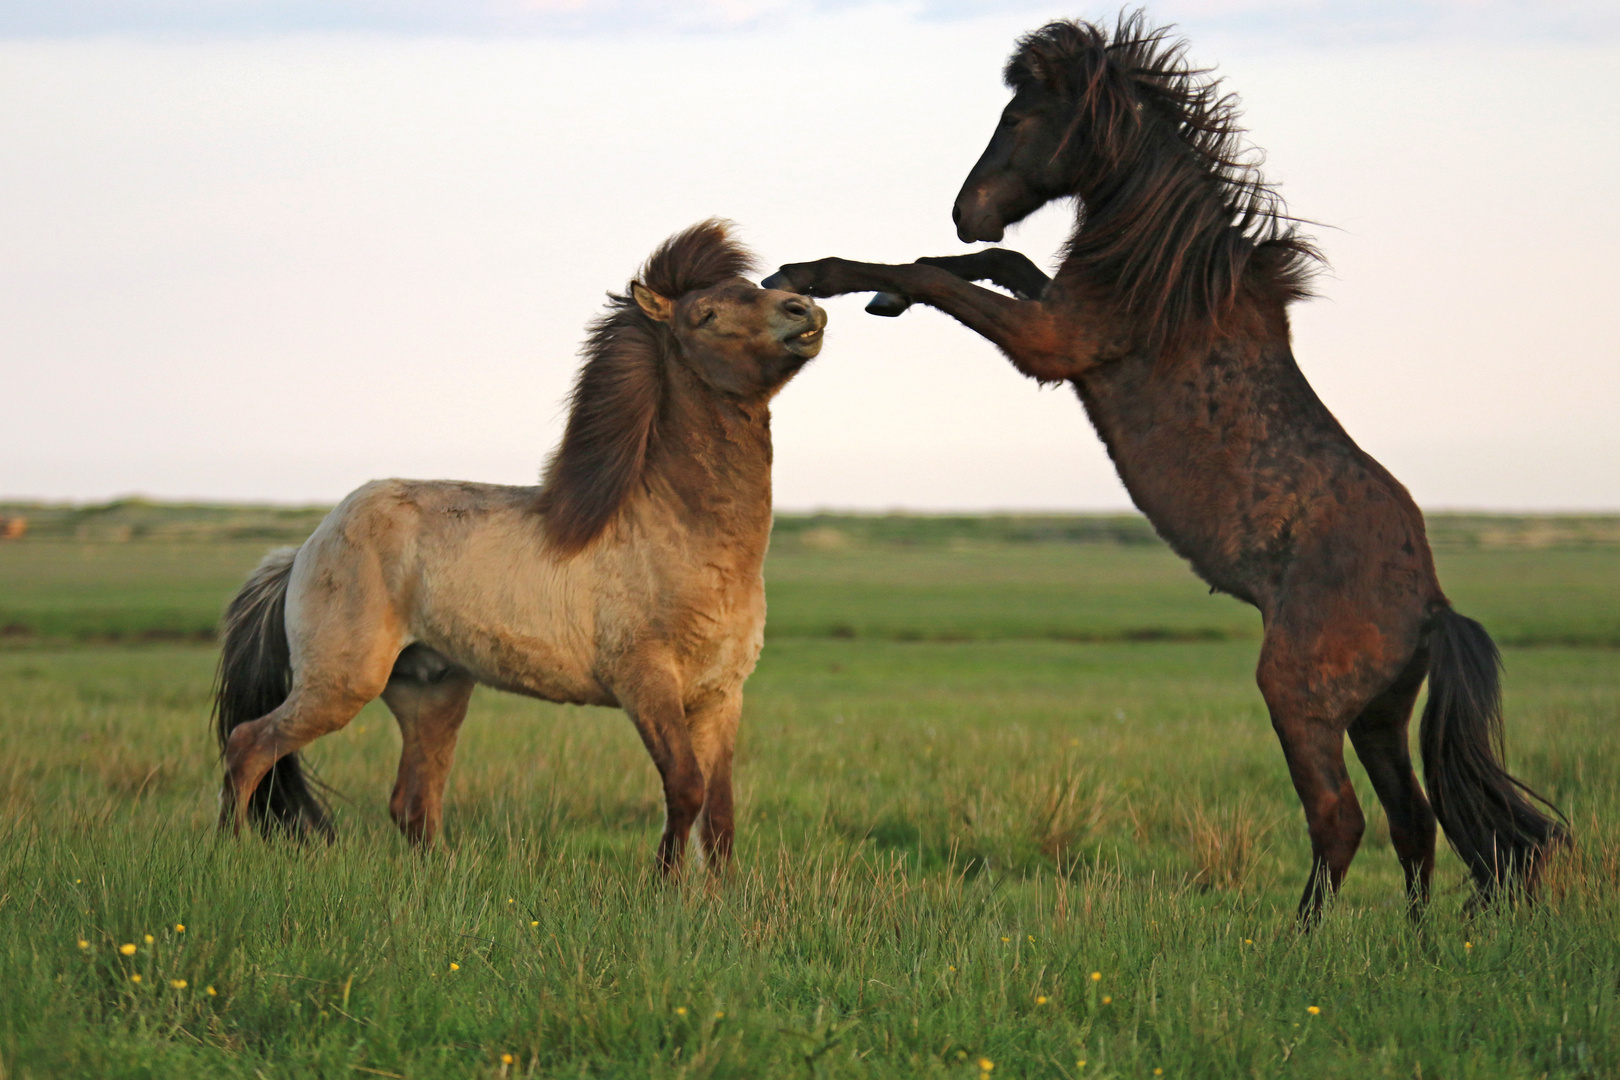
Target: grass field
pixel 972 774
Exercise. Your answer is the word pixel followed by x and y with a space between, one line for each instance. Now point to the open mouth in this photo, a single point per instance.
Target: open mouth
pixel 807 340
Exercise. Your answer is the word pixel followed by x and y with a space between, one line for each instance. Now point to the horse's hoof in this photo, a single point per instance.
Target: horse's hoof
pixel 889 305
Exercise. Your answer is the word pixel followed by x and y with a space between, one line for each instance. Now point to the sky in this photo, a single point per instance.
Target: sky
pixel 265 250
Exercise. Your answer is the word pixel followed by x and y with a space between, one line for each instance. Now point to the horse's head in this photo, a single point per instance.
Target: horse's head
pixel 740 339
pixel 1038 149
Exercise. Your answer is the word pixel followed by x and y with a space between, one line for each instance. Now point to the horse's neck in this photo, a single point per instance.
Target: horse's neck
pixel 712 463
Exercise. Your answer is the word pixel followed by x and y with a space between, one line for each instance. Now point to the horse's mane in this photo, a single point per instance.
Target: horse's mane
pixel 618 397
pixel 1176 215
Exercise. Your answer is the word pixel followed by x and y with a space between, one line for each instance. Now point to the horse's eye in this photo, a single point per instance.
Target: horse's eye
pixel 705 317
pixel 1008 120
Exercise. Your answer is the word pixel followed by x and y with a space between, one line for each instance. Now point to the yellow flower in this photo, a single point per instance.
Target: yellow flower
pixel 509 900
pixel 177 984
pixel 149 939
pixel 135 978
pixel 1096 976
pixel 1032 939
pixel 179 927
pixel 719 1016
pixel 1468 944
pixel 127 950
pixel 1107 1000
pixel 1158 1072
pixel 210 991
pixel 83 944
pixel 506 1059
pixel 952 967
pixel 455 967
pixel 535 922
pixel 1006 939
pixel 1248 941
pixel 985 1065
pixel 1080 1064
pixel 1312 1009
pixel 680 1010
pixel 1041 1000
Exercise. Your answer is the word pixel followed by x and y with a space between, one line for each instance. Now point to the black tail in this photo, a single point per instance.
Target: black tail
pixel 255 676
pixel 1492 820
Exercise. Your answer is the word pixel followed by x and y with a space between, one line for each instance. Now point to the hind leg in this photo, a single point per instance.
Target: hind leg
pixel 1312 696
pixel 1379 736
pixel 254 747
pixel 329 687
pixel 430 702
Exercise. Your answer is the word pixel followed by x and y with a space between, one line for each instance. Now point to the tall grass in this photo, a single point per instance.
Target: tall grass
pixel 939 845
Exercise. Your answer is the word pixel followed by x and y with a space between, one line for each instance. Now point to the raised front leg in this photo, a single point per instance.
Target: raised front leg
pixel 1032 336
pixel 1011 270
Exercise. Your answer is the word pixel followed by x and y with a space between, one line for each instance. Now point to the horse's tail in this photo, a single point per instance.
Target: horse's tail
pixel 1492 820
pixel 255 676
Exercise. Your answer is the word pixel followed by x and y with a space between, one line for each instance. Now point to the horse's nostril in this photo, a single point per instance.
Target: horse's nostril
pixel 796 308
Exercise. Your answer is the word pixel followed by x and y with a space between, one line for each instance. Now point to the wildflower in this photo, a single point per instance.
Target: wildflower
pixel 1096 976
pixel 1312 1009
pixel 1080 1064
pixel 149 939
pixel 952 967
pixel 83 944
pixel 177 984
pixel 135 978
pixel 1158 1072
pixel 985 1065
pixel 1107 1000
pixel 1032 939
pixel 1248 941
pixel 1040 999
pixel 534 922
pixel 1006 939
pixel 719 1016
pixel 509 900
pixel 127 950
pixel 455 967
pixel 1468 944
pixel 210 991
pixel 78 881
pixel 179 927
pixel 680 1010
pixel 507 1059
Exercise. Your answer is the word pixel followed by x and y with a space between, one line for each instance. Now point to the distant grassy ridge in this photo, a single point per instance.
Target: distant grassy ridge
pixel 135 571
pixel 123 520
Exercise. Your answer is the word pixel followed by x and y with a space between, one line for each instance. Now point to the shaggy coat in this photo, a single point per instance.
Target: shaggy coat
pixel 631 577
pixel 1169 317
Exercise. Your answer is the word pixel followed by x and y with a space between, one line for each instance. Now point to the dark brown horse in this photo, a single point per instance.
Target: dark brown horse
pixel 1169 315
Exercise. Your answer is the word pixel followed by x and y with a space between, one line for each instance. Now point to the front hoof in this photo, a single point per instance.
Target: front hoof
pixel 889 305
pixel 781 280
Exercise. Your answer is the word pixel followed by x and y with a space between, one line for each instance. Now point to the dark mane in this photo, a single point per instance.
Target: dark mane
pixel 1175 214
pixel 618 397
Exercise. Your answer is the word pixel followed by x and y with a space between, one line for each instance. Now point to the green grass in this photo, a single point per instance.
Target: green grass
pixel 960 811
pixel 81 590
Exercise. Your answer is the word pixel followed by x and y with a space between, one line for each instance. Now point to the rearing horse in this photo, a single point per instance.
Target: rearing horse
pixel 1169 315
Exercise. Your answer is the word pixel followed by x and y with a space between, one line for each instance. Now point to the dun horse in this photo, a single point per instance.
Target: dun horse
pixel 629 578
pixel 1169 316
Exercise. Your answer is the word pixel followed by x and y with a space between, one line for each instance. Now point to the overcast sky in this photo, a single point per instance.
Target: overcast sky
pixel 270 250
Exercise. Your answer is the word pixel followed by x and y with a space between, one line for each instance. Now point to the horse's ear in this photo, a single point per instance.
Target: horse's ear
pixel 656 307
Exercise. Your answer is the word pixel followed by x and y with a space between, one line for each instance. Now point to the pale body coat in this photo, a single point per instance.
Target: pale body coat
pixel 633 577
